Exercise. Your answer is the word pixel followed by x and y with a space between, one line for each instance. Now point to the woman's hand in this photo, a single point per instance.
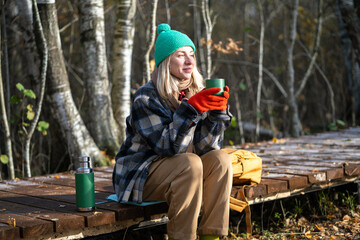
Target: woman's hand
pixel 205 100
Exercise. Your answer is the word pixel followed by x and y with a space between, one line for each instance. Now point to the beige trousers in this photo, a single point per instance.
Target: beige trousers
pixel 189 183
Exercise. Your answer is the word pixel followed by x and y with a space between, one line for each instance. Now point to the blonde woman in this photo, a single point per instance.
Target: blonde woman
pixel 172 150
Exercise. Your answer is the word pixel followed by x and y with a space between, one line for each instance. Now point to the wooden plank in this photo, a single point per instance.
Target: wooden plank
pixel 294 181
pixel 352 169
pixel 55 200
pixel 61 221
pixel 312 177
pixel 8 232
pixel 274 186
pixel 63 179
pixel 255 191
pixel 29 226
pixel 331 173
pixel 123 211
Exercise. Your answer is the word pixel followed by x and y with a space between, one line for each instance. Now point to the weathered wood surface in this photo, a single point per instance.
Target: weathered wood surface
pixel 44 206
pixel 308 163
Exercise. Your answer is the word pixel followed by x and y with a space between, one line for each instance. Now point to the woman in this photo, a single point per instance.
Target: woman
pixel 172 150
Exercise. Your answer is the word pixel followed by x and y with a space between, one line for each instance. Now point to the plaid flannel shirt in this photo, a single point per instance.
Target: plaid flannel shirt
pixel 152 131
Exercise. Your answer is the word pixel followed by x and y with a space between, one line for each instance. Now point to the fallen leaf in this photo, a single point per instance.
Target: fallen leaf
pixel 12 222
pixel 320 228
pixel 346 218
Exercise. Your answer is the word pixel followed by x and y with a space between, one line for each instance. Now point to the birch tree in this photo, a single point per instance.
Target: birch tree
pixel 208 32
pixel 261 57
pixel 197 36
pixel 295 124
pixel 40 39
pixel 63 109
pixel 122 62
pixel 150 40
pixel 4 119
pixel 99 114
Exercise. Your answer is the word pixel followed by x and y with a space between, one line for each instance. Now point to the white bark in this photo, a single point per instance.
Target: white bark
pixel 4 118
pixel 150 40
pixel 62 106
pixel 261 57
pixel 197 37
pixel 295 124
pixel 208 32
pixel 122 62
pixel 99 114
pixel 40 38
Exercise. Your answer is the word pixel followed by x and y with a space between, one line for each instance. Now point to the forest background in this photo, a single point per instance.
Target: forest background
pixel 69 69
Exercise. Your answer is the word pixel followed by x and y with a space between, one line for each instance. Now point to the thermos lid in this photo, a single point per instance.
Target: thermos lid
pixel 84 165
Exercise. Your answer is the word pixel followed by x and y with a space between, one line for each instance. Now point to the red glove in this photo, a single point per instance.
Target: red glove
pixel 205 100
pixel 226 93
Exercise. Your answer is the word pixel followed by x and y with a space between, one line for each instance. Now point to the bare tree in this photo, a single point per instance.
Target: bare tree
pixel 40 38
pixel 4 118
pixel 122 62
pixel 261 57
pixel 197 36
pixel 59 96
pixel 209 25
pixel 102 125
pixel 295 124
pixel 150 40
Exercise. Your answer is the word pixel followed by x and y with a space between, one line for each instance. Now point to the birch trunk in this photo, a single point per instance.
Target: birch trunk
pixel 295 124
pixel 40 39
pixel 208 32
pixel 122 62
pixel 150 40
pixel 4 118
pixel 99 114
pixel 261 57
pixel 62 105
pixel 197 37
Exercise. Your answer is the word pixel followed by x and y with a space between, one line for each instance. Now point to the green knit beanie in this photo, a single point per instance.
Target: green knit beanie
pixel 169 41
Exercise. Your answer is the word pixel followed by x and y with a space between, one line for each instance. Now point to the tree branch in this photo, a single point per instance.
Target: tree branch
pixel 39 37
pixel 316 50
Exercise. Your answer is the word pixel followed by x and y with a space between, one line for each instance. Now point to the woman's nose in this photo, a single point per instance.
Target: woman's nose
pixel 189 60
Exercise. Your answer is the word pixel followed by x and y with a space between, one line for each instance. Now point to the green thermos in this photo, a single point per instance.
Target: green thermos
pixel 85 190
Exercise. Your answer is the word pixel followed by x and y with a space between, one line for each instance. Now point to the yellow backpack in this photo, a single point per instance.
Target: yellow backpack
pixel 247 166
pixel 247 170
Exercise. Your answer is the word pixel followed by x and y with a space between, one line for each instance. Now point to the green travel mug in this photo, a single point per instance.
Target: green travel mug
pixel 84 184
pixel 216 83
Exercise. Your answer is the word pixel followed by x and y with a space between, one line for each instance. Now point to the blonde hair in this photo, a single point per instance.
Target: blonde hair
pixel 166 83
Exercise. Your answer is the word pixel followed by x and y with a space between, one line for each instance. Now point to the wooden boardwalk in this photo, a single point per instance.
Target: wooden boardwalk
pixel 44 207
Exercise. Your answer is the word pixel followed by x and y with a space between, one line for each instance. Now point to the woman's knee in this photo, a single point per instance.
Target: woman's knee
pixel 221 157
pixel 192 163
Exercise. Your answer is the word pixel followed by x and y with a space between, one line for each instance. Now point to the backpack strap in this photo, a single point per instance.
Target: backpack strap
pixel 240 205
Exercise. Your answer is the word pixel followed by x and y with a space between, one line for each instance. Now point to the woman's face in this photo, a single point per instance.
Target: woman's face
pixel 182 63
